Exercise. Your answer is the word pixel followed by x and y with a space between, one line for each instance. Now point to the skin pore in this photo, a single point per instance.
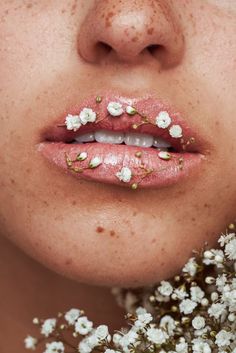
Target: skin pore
pixel 51 58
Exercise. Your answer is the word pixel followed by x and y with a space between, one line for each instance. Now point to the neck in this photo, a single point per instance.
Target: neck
pixel 28 289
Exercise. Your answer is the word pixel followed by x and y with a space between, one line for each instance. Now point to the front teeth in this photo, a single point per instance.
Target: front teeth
pixel 104 136
pixel 130 139
pixel 135 139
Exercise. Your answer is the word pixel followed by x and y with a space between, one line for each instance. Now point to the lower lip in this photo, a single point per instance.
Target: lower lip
pixel 164 172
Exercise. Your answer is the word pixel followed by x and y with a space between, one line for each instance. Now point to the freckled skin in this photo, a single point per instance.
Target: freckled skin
pixel 61 60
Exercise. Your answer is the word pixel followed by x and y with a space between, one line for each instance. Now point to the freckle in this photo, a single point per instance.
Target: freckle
pixel 154 240
pixel 13 181
pixel 134 39
pixel 68 262
pixel 74 203
pixel 112 233
pixel 46 203
pixel 49 247
pixel 29 6
pixel 206 205
pixel 150 31
pixel 193 219
pixel 135 213
pixel 132 232
pixel 100 229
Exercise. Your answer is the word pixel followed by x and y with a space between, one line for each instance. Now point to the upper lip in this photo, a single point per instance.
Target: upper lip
pixel 148 106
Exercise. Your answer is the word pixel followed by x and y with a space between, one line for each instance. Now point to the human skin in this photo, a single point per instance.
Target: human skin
pixel 103 234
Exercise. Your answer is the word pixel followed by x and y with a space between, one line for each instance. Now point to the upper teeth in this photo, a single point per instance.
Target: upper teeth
pixel 129 138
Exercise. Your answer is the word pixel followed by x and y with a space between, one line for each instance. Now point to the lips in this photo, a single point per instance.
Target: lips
pixel 120 162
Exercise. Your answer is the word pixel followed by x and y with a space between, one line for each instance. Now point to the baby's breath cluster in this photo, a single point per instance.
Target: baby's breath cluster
pixel 193 312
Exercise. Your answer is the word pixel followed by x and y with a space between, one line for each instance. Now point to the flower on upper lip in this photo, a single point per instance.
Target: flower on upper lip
pixel 115 108
pixel 176 131
pixel 87 115
pixel 124 174
pixel 163 120
pixel 72 122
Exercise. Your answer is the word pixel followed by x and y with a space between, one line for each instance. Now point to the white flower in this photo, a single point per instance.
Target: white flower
pixel 181 293
pixel 72 315
pixel 72 122
pixel 187 306
pixel 165 288
pixel 30 342
pixel 87 115
pixel 164 155
pixel 140 310
pixel 129 338
pixel 143 320
pixel 190 267
pixel 48 327
pixel 115 108
pixel 216 258
pixel 216 310
pixel 198 322
pixel 83 325
pixel 221 281
pixel 95 162
pixel 199 346
pixel 223 338
pixel 125 174
pixel 84 347
pixel 182 346
pixel 55 347
pixel 163 120
pixel 130 110
pixel 82 156
pixel 157 335
pixel 175 131
pixel 196 294
pixel 101 332
pixel 168 323
pixel 116 338
pixel 111 351
pixel 230 249
pixel 224 239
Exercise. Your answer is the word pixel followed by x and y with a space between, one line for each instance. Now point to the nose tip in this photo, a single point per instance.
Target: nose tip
pixel 131 31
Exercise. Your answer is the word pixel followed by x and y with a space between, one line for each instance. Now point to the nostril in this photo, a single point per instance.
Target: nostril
pixel 154 48
pixel 102 49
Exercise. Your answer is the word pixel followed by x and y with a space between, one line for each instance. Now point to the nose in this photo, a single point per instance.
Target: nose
pixel 131 31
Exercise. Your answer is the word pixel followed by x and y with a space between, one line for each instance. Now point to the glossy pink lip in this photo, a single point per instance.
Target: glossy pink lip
pixel 148 170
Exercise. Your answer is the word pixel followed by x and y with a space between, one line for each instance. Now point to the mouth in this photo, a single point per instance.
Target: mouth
pixel 135 143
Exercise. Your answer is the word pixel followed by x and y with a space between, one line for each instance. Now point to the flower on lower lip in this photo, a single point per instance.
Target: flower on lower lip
pixel 130 110
pixel 87 115
pixel 95 162
pixel 125 174
pixel 72 122
pixel 115 108
pixel 163 120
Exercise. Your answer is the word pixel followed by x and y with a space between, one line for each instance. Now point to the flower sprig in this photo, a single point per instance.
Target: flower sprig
pixel 193 312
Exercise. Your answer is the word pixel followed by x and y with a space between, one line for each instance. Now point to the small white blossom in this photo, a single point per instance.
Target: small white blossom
pixel 198 322
pixel 116 338
pixel 181 293
pixel 214 296
pixel 216 310
pixel 129 338
pixel 199 346
pixel 72 122
pixel 130 110
pixel 111 351
pixel 72 315
pixel 125 174
pixel 87 115
pixel 30 342
pixel 101 332
pixel 140 310
pixel 196 294
pixel 83 326
pixel 163 120
pixel 216 258
pixel 176 131
pixel 165 288
pixel 55 347
pixel 164 155
pixel 84 347
pixel 115 108
pixel 224 239
pixel 187 306
pixel 82 156
pixel 230 249
pixel 143 320
pixel 221 280
pixel 157 335
pixel 190 267
pixel 182 346
pixel 223 338
pixel 168 323
pixel 95 162
pixel 48 327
